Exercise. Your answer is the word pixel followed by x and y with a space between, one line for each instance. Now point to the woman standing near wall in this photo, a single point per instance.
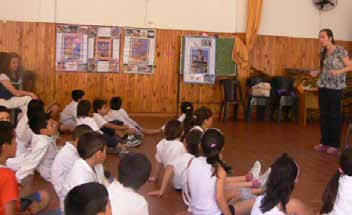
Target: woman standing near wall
pixel 332 80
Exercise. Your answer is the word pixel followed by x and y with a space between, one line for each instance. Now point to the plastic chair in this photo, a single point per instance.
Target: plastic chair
pixel 232 95
pixel 283 95
pixel 261 102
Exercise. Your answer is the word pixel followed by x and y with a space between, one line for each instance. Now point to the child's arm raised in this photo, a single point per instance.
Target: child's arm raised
pixel 168 174
pixel 220 194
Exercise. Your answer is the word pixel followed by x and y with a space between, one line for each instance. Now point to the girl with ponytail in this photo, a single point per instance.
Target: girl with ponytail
pixel 206 179
pixel 337 197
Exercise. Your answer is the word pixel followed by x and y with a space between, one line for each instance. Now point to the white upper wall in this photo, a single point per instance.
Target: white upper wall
pixel 203 15
pixel 293 18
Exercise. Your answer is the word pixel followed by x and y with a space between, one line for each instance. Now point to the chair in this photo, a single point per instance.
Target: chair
pixel 261 102
pixel 232 95
pixel 283 95
pixel 349 130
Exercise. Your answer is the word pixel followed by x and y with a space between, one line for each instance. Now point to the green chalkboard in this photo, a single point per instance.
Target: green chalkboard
pixel 224 65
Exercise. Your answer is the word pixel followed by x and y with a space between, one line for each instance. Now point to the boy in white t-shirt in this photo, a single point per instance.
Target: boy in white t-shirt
pixel 88 168
pixel 41 154
pixel 134 171
pixel 65 160
pixel 69 114
pixel 110 128
pixel 116 112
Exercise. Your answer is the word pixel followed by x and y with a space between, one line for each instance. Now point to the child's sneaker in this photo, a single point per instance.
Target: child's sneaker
pixel 254 171
pixel 132 141
pixel 264 178
pixel 261 181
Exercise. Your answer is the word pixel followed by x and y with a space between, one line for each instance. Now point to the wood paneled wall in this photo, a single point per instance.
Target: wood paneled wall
pixel 156 93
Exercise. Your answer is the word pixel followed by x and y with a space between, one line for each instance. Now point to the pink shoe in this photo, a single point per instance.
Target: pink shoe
pixel 321 148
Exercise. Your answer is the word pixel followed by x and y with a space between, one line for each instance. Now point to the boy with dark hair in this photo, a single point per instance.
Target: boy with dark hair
pixel 23 132
pixel 9 192
pixel 43 149
pixel 4 114
pixel 118 113
pixel 89 167
pixel 134 171
pixel 69 114
pixel 64 161
pixel 88 199
pixel 101 109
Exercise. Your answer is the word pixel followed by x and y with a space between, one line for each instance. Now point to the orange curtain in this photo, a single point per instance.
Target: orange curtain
pixel 240 53
pixel 253 21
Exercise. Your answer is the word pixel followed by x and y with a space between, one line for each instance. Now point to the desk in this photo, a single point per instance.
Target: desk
pixel 308 99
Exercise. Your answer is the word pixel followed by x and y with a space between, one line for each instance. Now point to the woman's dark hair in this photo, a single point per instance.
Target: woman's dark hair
pixel 212 143
pixel 86 199
pixel 83 108
pixel 330 192
pixel 193 139
pixel 324 51
pixel 201 115
pixel 280 184
pixel 173 129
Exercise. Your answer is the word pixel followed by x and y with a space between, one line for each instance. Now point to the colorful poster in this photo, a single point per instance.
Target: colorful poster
pixel 104 49
pixel 199 60
pixel 139 50
pixel 71 47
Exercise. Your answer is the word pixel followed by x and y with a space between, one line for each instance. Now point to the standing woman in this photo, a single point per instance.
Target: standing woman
pixel 332 80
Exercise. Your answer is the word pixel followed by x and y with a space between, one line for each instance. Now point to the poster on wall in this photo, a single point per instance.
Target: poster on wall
pixel 71 47
pixel 104 49
pixel 199 60
pixel 139 50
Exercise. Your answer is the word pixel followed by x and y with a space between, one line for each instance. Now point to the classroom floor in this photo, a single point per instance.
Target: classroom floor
pixel 245 143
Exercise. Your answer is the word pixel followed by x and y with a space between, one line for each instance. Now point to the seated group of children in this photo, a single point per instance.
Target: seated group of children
pixel 190 153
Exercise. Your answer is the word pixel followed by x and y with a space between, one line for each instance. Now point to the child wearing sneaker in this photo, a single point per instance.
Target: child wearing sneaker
pixel 206 179
pixel 122 132
pixel 277 198
pixel 83 118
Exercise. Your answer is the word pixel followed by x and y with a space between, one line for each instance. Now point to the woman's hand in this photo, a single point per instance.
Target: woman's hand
pixel 314 73
pixel 335 72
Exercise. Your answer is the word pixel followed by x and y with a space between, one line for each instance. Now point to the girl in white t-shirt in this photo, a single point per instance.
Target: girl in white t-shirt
pixel 337 198
pixel 177 166
pixel 167 151
pixel 277 199
pixel 206 179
